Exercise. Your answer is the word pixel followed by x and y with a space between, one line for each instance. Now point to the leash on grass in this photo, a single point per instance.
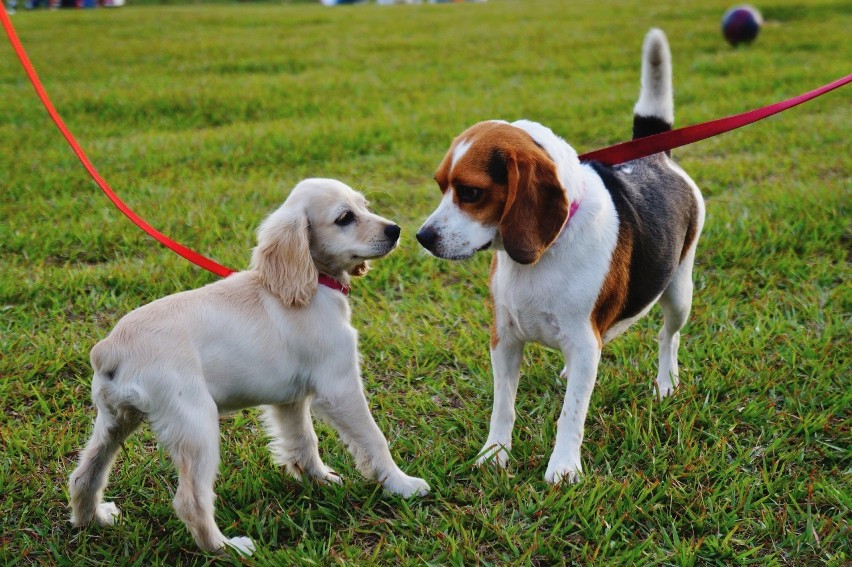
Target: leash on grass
pixel 619 153
pixel 190 255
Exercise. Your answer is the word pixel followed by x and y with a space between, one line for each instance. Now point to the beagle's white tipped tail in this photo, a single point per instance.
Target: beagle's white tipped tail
pixel 654 111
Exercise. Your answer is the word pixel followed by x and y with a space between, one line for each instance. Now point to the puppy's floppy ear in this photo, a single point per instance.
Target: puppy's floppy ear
pixel 283 260
pixel 536 207
pixel 360 269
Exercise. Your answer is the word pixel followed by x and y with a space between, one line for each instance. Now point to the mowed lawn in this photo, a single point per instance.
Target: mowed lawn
pixel 204 117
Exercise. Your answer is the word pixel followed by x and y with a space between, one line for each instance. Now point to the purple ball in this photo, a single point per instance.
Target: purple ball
pixel 741 24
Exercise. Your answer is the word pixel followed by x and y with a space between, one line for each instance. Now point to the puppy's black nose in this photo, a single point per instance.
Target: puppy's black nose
pixel 392 231
pixel 426 237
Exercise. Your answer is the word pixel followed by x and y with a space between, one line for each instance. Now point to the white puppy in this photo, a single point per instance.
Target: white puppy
pixel 278 334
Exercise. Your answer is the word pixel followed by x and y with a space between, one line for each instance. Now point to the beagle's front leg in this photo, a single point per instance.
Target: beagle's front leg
pixel 582 357
pixel 506 354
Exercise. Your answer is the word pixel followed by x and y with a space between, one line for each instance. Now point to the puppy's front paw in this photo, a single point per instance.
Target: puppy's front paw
pixel 494 453
pixel 563 472
pixel 406 486
pixel 329 476
pixel 242 545
pixel 106 514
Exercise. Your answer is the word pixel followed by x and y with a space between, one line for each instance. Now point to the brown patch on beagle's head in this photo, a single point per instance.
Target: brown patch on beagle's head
pixel 501 177
pixel 474 170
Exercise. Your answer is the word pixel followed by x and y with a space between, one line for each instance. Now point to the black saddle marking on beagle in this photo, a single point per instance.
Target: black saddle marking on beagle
pixel 657 218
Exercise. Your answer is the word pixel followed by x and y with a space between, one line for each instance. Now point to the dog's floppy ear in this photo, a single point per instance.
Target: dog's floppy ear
pixel 283 260
pixel 536 207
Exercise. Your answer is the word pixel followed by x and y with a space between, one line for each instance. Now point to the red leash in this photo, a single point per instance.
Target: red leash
pixel 643 147
pixel 190 255
pixel 612 155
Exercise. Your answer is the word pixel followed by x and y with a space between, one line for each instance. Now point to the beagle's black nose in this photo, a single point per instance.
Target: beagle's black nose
pixel 392 231
pixel 427 237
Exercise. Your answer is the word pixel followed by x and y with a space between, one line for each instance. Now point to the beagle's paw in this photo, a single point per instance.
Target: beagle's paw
pixel 558 473
pixel 494 453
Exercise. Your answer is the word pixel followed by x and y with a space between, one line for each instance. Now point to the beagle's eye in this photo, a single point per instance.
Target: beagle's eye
pixel 345 219
pixel 468 194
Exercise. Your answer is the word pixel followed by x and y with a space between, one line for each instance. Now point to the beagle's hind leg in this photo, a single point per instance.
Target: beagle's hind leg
pixel 676 303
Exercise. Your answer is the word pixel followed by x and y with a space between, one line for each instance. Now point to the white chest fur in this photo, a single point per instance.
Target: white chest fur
pixel 548 301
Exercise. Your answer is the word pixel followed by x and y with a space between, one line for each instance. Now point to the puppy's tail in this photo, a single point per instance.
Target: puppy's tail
pixel 654 111
pixel 114 386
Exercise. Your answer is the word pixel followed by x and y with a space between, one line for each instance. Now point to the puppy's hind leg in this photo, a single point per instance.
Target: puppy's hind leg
pixel 87 482
pixel 675 303
pixel 294 442
pixel 189 430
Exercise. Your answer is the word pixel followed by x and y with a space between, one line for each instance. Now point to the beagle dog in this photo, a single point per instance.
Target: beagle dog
pixel 277 335
pixel 582 250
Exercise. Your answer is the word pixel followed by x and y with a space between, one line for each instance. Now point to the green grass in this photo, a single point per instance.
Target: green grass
pixel 203 118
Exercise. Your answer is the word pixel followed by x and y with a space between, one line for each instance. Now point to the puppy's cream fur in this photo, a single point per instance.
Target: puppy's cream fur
pixel 267 336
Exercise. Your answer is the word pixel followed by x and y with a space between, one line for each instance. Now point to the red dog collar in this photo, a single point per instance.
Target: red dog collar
pixel 329 281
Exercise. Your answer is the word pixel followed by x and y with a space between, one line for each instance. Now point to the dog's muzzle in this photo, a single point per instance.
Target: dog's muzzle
pixel 392 232
pixel 428 238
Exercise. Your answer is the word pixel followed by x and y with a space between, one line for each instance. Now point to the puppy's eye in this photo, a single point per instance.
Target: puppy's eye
pixel 345 218
pixel 468 194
